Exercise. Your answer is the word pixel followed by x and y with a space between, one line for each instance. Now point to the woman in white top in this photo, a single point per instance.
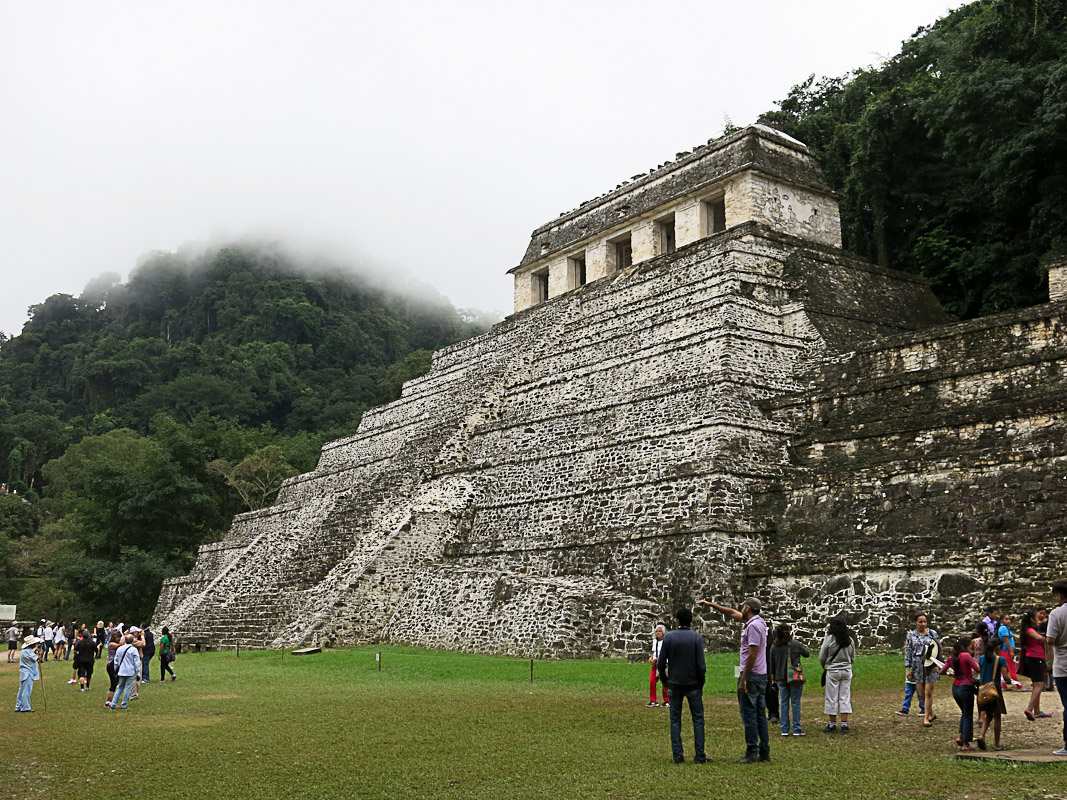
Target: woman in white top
pixel 657 643
pixel 61 641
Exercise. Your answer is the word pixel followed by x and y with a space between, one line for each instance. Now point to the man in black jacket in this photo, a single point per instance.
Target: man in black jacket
pixel 681 667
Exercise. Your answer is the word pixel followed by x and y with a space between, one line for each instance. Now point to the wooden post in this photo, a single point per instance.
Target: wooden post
pixel 238 648
pixel 531 670
pixel 44 695
pixel 379 659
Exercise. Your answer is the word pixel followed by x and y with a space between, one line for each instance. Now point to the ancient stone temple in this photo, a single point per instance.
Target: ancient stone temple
pixel 699 395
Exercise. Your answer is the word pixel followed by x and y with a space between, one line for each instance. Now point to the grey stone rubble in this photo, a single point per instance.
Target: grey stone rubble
pixel 745 410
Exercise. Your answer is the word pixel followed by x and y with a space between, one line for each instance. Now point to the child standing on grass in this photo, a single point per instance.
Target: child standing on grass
pixel 993 667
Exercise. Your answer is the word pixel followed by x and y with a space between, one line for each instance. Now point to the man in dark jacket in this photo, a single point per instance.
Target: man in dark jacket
pixel 681 667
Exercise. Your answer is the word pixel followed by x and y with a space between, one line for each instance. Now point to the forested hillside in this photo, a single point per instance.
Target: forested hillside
pixel 138 418
pixel 952 155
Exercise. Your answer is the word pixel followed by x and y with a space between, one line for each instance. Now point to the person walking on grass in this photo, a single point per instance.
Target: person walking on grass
pixel 993 667
pixel 1033 664
pixel 113 645
pixel 682 669
pixel 148 652
pixel 60 639
pixel 1057 642
pixel 837 654
pixel 100 637
pixel 916 645
pixel 752 683
pixel 29 671
pixel 128 668
pixel 84 659
pixel 653 678
pixel 12 642
pixel 964 668
pixel 166 655
pixel 787 674
pixel 1007 641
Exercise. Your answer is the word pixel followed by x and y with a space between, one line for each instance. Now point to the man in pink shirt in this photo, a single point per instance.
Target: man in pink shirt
pixel 752 682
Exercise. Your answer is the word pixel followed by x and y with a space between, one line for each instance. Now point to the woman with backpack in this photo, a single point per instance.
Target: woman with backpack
pixel 166 655
pixel 788 675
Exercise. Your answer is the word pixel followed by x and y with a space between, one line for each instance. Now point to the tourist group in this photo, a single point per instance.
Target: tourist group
pixel 129 654
pixel 984 663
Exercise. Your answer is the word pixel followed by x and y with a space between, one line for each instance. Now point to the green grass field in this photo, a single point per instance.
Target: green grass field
pixel 437 724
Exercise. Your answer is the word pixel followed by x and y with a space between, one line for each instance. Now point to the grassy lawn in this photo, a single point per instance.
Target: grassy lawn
pixel 436 724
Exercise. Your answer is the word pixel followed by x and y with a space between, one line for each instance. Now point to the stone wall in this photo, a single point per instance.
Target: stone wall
pixel 755 412
pixel 556 486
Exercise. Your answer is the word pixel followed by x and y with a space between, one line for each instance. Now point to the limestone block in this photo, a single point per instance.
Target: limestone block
pixel 1057 280
pixel 689 222
pixel 645 242
pixel 599 260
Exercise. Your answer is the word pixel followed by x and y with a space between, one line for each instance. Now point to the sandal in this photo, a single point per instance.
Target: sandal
pixel 1042 715
pixel 928 724
pixel 981 744
pixel 967 748
pixel 1029 715
pixel 999 747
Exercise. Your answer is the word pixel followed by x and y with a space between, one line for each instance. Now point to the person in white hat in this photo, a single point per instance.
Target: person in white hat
pixel 28 672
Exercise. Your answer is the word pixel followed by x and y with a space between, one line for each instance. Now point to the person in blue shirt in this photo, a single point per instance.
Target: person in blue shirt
pixel 28 672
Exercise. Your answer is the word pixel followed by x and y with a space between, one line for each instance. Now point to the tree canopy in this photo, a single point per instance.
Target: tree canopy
pixel 951 155
pixel 136 419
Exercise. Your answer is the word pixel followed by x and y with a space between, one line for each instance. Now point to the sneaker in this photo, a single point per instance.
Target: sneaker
pixel 666 705
pixel 1061 752
pixel 901 713
pixel 651 705
pixel 748 760
pixel 844 728
pixel 82 689
pixel 785 733
pixel 798 733
pixel 764 756
pixel 174 677
pixel 71 681
pixel 831 728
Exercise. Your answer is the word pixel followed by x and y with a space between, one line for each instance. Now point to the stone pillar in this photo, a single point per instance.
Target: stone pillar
pixel 689 224
pixel 644 241
pixel 558 277
pixel 1057 279
pixel 599 260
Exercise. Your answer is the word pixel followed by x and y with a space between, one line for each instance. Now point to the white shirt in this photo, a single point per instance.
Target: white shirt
pixel 656 645
pixel 1057 636
pixel 60 635
pixel 49 634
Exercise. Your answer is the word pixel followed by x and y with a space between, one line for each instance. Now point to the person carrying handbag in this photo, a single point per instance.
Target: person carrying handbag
pixel 787 674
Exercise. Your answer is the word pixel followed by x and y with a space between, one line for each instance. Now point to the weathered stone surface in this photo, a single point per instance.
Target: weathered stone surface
pixel 754 412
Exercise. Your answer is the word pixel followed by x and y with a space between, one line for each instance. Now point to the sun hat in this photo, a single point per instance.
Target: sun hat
pixel 30 641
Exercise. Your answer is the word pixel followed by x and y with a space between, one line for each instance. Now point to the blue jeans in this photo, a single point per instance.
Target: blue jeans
pixel 122 691
pixel 909 692
pixel 789 697
pixel 695 696
pixel 146 659
pixel 22 699
pixel 964 697
pixel 1061 687
pixel 754 715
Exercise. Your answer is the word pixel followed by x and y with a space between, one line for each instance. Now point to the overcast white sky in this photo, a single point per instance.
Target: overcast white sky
pixel 430 135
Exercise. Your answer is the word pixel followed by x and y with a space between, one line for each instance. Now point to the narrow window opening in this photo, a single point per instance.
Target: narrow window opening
pixel 665 230
pixel 715 211
pixel 540 287
pixel 624 253
pixel 577 271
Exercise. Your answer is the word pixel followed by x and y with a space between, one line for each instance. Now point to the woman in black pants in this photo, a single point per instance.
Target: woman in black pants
pixel 166 655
